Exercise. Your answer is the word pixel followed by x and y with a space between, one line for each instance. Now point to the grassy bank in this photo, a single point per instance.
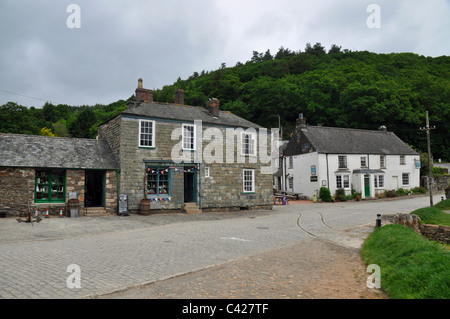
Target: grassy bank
pixel 435 215
pixel 412 267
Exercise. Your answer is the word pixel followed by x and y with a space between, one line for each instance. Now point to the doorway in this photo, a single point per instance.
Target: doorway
pixel 367 186
pixel 190 187
pixel 94 189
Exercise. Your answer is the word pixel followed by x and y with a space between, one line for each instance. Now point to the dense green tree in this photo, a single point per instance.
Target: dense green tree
pixel 82 125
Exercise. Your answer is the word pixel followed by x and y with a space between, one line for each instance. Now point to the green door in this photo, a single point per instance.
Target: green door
pixel 367 186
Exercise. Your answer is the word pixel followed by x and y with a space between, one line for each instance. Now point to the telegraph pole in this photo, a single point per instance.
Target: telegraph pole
pixel 430 174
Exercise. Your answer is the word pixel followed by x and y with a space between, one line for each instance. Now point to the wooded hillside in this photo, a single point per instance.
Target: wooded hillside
pixel 331 88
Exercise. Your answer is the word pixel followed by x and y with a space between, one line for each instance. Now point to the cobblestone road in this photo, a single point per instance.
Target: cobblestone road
pixel 115 253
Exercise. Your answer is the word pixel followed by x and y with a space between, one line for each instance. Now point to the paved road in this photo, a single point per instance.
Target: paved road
pixel 114 253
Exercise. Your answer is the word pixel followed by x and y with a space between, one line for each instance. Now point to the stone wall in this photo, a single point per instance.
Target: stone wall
pixel 16 190
pixel 438 182
pixel 438 233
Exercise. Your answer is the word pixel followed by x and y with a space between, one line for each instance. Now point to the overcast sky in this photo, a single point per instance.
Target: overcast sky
pixel 43 59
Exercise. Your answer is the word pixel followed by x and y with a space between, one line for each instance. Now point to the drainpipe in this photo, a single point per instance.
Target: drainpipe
pixel 328 173
pixel 118 183
pixel 200 195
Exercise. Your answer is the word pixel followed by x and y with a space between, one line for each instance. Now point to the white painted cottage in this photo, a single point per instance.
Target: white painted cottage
pixel 370 162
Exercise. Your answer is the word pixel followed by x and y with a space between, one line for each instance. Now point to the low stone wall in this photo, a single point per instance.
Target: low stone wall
pixel 438 233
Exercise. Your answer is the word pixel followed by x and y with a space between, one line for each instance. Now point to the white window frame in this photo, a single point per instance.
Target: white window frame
pixel 344 179
pixel 151 139
pixel 291 162
pixel 382 161
pixel 402 160
pixel 342 159
pixel 248 185
pixel 189 139
pixel 403 179
pixel 207 172
pixel 250 147
pixel 379 180
pixel 291 183
pixel 363 161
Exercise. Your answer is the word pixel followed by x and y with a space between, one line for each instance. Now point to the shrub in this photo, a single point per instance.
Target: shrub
pixel 401 192
pixel 391 193
pixel 419 190
pixel 325 194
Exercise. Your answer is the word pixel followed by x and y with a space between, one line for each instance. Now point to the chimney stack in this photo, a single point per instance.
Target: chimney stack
pixel 301 121
pixel 179 96
pixel 213 107
pixel 142 94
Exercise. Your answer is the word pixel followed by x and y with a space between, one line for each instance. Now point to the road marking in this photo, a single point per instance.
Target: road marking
pixel 234 238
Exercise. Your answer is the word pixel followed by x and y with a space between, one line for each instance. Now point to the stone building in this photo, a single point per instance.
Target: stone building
pixel 38 172
pixel 172 156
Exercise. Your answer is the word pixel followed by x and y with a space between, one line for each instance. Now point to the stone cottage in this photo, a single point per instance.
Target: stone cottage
pixel 38 172
pixel 178 157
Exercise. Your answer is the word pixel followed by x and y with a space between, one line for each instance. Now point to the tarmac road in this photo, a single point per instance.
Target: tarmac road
pixel 177 255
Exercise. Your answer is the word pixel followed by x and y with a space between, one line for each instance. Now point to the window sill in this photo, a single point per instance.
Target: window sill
pixel 147 147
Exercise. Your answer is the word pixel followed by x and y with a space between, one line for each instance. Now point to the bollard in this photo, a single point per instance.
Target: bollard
pixel 378 220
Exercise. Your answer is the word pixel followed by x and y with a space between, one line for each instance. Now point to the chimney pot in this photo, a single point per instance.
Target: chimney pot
pixel 142 94
pixel 213 107
pixel 179 96
pixel 301 121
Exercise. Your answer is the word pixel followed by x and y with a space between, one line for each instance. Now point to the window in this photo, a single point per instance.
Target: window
pixel 402 159
pixel 405 179
pixel 146 133
pixel 248 144
pixel 50 186
pixel 189 137
pixel 291 162
pixel 343 181
pixel 379 181
pixel 363 161
pixel 382 161
pixel 158 180
pixel 342 161
pixel 249 180
pixel 291 183
pixel 206 171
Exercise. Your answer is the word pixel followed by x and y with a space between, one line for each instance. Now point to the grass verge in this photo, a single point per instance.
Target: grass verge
pixel 435 215
pixel 412 267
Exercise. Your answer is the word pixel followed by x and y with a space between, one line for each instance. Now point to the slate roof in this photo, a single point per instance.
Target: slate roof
pixel 186 113
pixel 333 140
pixel 18 150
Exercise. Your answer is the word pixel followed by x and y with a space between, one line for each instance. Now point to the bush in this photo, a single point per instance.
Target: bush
pixel 401 192
pixel 325 194
pixel 391 193
pixel 419 190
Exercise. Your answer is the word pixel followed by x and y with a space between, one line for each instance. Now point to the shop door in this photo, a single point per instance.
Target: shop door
pixel 94 189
